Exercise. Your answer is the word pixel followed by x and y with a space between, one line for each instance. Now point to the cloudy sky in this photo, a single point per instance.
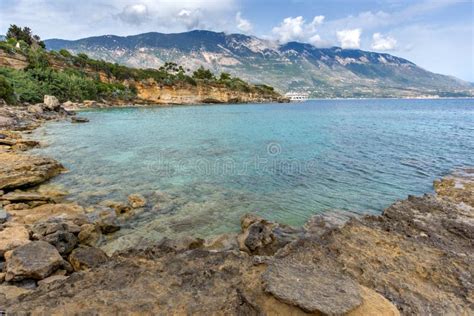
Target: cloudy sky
pixel 435 34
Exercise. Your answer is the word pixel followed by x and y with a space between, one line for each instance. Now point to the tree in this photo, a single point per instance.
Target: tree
pixel 24 34
pixel 202 73
pixel 65 53
pixel 225 76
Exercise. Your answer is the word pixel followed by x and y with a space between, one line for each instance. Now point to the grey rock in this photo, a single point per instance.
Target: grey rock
pixel 36 108
pixel 262 237
pixel 35 260
pixel 64 241
pixel 58 233
pixel 51 103
pixel 90 235
pixel 76 119
pixel 83 258
pixel 311 288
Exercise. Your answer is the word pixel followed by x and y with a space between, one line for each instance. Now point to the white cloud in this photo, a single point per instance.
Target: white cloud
pixel 297 29
pixel 134 14
pixel 191 19
pixel 243 24
pixel 349 38
pixel 381 42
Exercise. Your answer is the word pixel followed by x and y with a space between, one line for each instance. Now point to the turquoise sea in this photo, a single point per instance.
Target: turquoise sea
pixel 202 167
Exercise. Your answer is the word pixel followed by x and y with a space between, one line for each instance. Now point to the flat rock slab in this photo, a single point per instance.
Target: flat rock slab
pixel 23 170
pixel 311 288
pixel 24 196
pixel 48 211
pixel 36 260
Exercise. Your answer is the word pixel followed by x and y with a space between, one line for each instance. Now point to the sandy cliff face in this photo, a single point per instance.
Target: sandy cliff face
pixel 13 60
pixel 152 92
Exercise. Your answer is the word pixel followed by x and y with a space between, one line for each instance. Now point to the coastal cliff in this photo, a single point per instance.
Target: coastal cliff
pixel 414 258
pixel 151 92
pixel 114 84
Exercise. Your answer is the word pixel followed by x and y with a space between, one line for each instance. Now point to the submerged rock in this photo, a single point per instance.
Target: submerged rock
pixel 120 208
pixel 417 255
pixel 76 119
pixel 136 200
pixel 36 260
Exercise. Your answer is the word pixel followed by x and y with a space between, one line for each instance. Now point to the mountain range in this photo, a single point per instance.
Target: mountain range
pixel 293 66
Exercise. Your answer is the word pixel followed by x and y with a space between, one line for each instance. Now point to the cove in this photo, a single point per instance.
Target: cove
pixel 202 167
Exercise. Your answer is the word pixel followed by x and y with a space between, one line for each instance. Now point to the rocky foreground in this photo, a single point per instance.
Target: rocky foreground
pixel 416 258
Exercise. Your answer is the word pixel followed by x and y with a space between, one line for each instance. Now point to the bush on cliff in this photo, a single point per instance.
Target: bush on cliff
pixel 31 85
pixel 6 91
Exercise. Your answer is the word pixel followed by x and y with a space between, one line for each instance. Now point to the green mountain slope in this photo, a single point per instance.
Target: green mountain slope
pixel 324 72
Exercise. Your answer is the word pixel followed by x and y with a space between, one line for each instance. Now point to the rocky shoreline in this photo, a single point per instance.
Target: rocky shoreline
pixel 415 258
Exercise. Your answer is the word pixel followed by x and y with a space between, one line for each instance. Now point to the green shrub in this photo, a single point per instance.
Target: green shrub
pixel 203 74
pixel 6 91
pixel 37 58
pixel 65 53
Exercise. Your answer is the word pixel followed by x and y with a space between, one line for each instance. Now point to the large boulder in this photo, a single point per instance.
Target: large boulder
pixel 83 258
pixel 51 103
pixel 56 233
pixel 12 237
pixel 18 170
pixel 36 260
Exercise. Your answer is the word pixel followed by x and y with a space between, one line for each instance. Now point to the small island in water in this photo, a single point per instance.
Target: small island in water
pixel 256 209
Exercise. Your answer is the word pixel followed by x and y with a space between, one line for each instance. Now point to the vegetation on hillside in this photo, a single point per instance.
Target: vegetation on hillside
pixel 77 77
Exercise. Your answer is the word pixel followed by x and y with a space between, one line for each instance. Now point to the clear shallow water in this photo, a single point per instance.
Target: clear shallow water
pixel 202 167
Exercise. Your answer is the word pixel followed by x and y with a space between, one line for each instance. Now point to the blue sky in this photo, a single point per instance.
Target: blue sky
pixel 435 34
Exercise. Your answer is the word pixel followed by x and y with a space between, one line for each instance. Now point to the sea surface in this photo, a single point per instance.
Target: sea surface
pixel 202 167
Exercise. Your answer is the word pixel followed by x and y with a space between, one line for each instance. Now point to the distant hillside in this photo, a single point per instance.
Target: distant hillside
pixel 325 72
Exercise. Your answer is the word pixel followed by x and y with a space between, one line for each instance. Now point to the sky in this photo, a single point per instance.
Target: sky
pixel 438 35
